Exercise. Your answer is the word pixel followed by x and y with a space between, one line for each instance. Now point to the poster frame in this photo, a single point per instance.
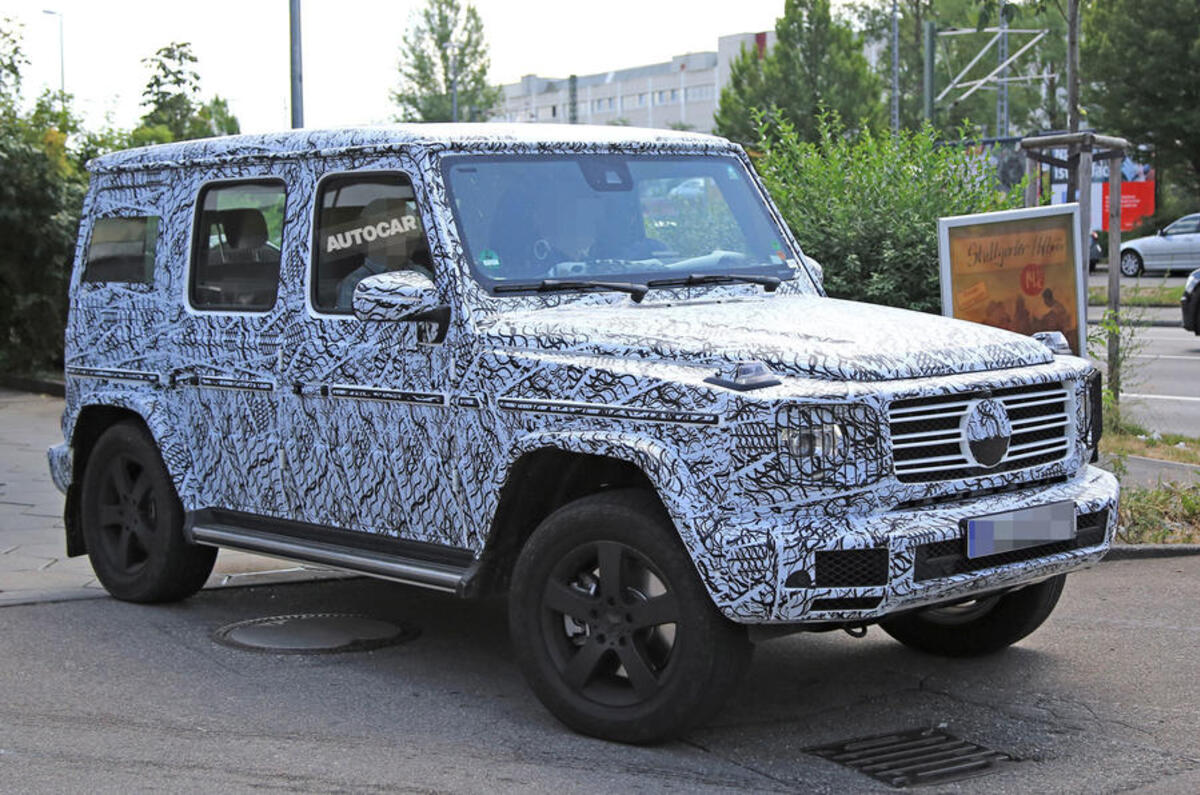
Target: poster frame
pixel 1071 210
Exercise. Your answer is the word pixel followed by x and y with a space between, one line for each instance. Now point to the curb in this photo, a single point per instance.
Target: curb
pixel 25 384
pixel 1147 323
pixel 1150 551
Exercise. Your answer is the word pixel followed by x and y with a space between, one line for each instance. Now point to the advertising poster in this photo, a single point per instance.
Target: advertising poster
pixel 1019 270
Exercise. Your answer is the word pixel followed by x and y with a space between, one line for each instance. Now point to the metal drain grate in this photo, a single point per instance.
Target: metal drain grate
pixel 913 758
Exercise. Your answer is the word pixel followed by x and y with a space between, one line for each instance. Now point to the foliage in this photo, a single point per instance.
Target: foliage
pixel 1141 58
pixel 866 205
pixel 41 190
pixel 171 96
pixel 1137 295
pixel 816 64
pixel 1125 325
pixel 1168 513
pixel 427 69
pixel 1032 105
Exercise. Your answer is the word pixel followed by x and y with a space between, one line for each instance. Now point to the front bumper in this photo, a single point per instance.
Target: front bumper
pixel 59 457
pixel 909 558
pixel 1190 306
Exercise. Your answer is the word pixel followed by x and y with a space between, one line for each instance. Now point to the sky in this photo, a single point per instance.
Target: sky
pixel 350 47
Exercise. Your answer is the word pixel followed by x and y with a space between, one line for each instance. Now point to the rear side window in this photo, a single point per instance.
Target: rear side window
pixel 236 248
pixel 366 224
pixel 122 250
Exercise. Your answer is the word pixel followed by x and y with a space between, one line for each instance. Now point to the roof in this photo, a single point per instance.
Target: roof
pixel 392 137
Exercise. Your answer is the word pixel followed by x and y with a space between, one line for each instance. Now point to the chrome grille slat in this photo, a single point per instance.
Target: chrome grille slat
pixel 926 432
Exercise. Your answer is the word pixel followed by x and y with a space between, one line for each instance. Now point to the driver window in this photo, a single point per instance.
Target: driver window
pixel 365 225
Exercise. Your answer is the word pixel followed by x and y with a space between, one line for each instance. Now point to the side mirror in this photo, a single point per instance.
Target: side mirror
pixel 1162 232
pixel 395 295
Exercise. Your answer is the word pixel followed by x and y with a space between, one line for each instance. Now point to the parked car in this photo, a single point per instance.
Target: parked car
pixel 467 357
pixel 1190 302
pixel 1095 252
pixel 1175 247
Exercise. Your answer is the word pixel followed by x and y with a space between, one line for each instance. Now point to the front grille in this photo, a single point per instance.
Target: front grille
pixel 851 568
pixel 926 434
pixel 946 558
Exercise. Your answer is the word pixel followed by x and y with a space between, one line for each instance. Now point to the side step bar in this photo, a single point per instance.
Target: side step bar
pixel 439 576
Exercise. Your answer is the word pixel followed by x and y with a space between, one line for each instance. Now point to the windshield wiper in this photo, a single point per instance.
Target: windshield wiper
pixel 636 291
pixel 769 283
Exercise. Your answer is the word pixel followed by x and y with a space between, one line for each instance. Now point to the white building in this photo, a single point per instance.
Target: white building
pixel 681 92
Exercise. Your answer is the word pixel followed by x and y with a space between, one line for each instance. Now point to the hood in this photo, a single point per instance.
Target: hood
pixel 806 336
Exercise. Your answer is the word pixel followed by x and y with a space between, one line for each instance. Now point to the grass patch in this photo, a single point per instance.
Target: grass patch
pixel 1168 513
pixel 1138 296
pixel 1131 440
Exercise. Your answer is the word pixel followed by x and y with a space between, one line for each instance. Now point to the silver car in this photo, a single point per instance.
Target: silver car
pixel 1177 247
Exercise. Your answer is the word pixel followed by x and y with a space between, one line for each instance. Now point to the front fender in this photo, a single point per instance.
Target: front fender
pixel 717 548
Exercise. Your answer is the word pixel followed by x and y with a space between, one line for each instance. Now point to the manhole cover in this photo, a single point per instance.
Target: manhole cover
pixel 314 633
pixel 911 758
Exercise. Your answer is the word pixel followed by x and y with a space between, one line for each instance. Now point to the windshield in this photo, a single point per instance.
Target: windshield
pixel 627 218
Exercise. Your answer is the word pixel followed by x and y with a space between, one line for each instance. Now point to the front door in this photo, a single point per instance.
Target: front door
pixel 367 426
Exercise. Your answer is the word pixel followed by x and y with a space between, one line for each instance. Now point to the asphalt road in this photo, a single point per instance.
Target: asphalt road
pixel 1161 384
pixel 104 696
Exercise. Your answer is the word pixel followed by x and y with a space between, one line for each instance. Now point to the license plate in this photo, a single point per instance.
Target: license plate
pixel 1028 527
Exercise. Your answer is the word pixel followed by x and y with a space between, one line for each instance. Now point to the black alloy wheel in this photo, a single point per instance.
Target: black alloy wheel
pixel 133 523
pixel 612 627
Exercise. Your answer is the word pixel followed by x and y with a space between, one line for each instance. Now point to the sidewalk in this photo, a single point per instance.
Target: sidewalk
pixel 33 562
pixel 1144 315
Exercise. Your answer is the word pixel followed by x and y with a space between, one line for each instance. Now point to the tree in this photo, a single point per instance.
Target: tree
pixel 429 69
pixel 172 98
pixel 1140 59
pixel 865 205
pixel 41 191
pixel 817 63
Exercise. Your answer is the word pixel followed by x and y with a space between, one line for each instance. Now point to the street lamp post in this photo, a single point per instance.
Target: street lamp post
pixel 62 69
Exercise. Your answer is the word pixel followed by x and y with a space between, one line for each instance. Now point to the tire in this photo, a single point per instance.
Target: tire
pixel 984 626
pixel 132 522
pixel 1131 263
pixel 612 627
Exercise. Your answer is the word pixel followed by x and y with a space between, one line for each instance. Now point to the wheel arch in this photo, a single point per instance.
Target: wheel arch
pixel 91 421
pixel 547 471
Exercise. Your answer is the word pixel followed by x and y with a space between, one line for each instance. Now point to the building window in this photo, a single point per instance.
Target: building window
pixel 641 100
pixel 610 103
pixel 554 111
pixel 674 94
pixel 122 250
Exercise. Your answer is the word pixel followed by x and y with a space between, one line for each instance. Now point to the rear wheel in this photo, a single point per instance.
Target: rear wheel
pixel 133 522
pixel 978 627
pixel 612 627
pixel 1131 263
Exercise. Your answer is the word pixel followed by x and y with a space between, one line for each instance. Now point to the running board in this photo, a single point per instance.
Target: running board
pixel 440 576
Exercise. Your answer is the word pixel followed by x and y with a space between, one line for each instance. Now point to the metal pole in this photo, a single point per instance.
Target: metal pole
pixel 1073 65
pixel 895 66
pixel 1114 274
pixel 452 47
pixel 1002 87
pixel 297 68
pixel 930 40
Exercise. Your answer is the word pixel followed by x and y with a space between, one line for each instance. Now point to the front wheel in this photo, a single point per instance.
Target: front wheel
pixel 133 522
pixel 1131 263
pixel 978 627
pixel 612 627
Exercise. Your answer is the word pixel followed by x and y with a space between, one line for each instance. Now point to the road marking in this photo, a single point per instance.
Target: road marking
pixel 1160 397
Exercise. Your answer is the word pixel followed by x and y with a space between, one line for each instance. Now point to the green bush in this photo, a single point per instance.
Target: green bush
pixel 866 205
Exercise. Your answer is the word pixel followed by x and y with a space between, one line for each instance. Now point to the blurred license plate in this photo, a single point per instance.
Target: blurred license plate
pixel 1028 527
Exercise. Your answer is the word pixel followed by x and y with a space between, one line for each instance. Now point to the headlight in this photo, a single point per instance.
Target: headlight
pixel 820 441
pixel 831 445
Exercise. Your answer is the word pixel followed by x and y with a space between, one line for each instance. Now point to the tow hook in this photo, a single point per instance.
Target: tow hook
pixel 859 631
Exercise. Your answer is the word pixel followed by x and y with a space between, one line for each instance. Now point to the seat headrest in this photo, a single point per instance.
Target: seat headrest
pixel 244 228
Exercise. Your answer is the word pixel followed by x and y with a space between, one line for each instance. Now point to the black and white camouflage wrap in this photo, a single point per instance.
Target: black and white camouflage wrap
pixel 367 426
